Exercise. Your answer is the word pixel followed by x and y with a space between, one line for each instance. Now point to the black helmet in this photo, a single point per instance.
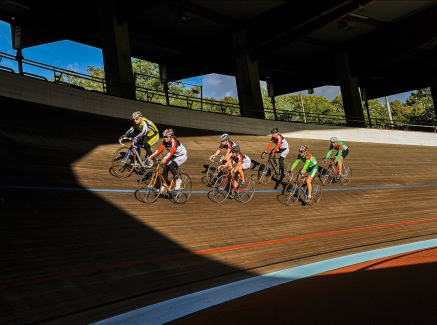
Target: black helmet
pixel 274 130
pixel 235 148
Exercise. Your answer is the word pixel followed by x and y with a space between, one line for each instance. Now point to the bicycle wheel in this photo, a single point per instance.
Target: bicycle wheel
pixel 123 163
pixel 316 194
pixel 265 173
pixel 221 189
pixel 181 196
pixel 291 193
pixel 212 173
pixel 288 175
pixel 326 176
pixel 246 192
pixel 346 175
pixel 148 187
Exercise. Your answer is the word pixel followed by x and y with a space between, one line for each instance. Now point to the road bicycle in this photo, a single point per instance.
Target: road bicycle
pixel 298 190
pixel 270 169
pixel 223 185
pixel 213 171
pixel 149 187
pixel 327 175
pixel 124 163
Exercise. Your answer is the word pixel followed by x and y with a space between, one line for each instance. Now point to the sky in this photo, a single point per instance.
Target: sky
pixel 77 57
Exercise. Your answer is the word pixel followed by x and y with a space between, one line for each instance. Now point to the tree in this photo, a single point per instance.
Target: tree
pixel 422 107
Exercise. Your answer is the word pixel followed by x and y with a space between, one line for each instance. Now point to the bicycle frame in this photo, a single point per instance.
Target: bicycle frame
pixel 265 172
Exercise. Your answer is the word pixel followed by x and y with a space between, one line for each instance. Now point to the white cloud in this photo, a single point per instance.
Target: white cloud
pixel 219 86
pixel 73 66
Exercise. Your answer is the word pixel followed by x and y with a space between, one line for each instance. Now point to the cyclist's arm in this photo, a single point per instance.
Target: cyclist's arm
pixel 295 164
pixel 269 146
pixel 157 152
pixel 228 152
pixel 130 130
pixel 174 146
pixel 328 154
pixel 279 144
pixel 304 168
pixel 339 153
pixel 144 130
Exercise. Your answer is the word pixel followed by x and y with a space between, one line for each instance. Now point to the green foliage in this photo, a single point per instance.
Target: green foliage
pixel 302 108
pixel 419 107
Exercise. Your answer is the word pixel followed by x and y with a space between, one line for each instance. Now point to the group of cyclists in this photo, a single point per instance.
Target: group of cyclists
pixel 234 158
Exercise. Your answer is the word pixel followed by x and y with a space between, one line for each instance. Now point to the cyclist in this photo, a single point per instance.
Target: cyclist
pixel 176 156
pixel 310 166
pixel 225 144
pixel 148 135
pixel 281 146
pixel 342 152
pixel 239 162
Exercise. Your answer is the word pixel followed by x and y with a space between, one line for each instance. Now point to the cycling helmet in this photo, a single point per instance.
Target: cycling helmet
pixel 333 139
pixel 235 148
pixel 274 130
pixel 168 133
pixel 136 114
pixel 224 137
pixel 303 148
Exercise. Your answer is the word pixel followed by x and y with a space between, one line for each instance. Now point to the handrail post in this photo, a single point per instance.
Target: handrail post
pixel 19 57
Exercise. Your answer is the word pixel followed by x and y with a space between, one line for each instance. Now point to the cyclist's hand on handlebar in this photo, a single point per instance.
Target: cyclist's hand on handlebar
pixel 324 160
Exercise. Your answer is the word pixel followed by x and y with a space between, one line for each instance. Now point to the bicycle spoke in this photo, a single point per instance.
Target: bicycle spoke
pixel 181 195
pixel 265 173
pixel 245 193
pixel 291 193
pixel 221 189
pixel 149 187
pixel 346 175
pixel 123 163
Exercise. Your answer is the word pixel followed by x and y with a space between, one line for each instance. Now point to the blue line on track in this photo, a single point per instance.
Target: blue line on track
pixel 41 188
pixel 175 308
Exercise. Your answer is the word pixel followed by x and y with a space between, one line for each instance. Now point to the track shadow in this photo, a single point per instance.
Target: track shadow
pixel 67 245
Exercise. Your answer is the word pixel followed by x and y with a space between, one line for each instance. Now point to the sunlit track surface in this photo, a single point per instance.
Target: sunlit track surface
pixel 81 256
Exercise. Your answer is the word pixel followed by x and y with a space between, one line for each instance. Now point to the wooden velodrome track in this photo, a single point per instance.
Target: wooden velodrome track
pixel 74 254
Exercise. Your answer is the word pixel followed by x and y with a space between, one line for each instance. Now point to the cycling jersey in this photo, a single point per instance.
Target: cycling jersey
pixel 309 161
pixel 340 147
pixel 280 144
pixel 146 127
pixel 228 145
pixel 243 159
pixel 175 149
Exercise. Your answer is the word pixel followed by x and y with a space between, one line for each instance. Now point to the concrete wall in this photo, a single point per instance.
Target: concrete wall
pixel 43 92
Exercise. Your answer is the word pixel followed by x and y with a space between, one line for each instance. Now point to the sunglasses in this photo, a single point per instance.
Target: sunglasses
pixel 167 136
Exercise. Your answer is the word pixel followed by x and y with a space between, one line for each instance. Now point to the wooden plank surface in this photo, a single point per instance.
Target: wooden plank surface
pixel 76 256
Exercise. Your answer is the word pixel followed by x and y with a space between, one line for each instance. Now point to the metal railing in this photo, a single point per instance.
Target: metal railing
pixel 192 97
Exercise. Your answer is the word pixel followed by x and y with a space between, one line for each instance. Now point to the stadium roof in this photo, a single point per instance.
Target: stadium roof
pixel 389 43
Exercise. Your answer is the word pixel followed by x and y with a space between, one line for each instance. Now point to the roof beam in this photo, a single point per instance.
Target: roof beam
pixel 202 12
pixel 305 26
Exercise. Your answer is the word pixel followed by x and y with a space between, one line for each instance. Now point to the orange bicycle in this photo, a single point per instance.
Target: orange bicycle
pixel 149 187
pixel 223 185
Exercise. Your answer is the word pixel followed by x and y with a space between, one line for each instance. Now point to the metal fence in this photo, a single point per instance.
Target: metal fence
pixel 190 98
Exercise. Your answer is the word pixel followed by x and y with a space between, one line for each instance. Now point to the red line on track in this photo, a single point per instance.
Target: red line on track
pixel 91 270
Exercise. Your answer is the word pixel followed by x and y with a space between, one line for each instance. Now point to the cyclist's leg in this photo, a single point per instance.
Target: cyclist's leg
pixel 284 154
pixel 340 161
pixel 177 162
pixel 148 142
pixel 312 174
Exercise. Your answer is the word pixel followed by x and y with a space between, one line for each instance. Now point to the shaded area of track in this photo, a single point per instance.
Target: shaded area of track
pixel 47 233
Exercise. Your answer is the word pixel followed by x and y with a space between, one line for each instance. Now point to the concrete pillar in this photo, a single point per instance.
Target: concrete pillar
pixel 349 91
pixel 114 39
pixel 247 76
pixel 432 72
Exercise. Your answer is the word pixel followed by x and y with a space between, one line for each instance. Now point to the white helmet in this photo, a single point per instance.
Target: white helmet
pixel 136 114
pixel 333 139
pixel 224 137
pixel 303 148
